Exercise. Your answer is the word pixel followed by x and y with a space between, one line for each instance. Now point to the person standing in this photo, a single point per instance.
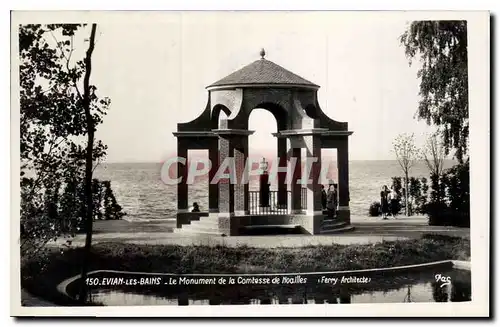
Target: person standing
pixel 330 201
pixel 384 201
pixel 323 197
pixel 394 202
pixel 335 199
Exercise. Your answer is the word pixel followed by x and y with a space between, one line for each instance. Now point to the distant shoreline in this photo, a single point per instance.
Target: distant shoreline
pixel 326 158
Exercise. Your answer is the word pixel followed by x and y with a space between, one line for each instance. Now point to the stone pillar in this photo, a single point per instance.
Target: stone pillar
pixel 213 188
pixel 226 188
pixel 313 163
pixel 182 171
pixel 246 186
pixel 241 191
pixel 296 186
pixel 183 215
pixel 282 161
pixel 233 194
pixel 343 171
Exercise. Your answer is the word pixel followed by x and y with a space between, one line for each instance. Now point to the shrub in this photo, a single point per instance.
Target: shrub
pixel 397 205
pixel 374 210
pixel 450 199
pixel 418 193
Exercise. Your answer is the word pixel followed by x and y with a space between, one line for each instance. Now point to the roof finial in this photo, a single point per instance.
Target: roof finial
pixel 262 53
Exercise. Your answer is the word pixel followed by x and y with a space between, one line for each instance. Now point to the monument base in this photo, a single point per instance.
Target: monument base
pixel 232 224
pixel 183 218
pixel 344 215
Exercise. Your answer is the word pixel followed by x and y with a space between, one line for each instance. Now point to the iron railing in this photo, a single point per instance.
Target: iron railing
pixel 273 208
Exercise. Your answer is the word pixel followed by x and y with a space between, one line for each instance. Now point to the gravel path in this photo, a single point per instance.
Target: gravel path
pixel 367 230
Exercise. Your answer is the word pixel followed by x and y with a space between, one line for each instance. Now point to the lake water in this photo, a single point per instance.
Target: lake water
pixel 414 287
pixel 143 195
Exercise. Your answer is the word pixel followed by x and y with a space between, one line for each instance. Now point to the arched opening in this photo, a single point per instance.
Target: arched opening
pixel 198 165
pixel 219 112
pixel 265 120
pixel 261 144
pixel 329 170
pixel 198 179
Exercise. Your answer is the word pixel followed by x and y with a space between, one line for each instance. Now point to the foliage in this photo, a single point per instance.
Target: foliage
pixel 421 197
pixel 417 197
pixel 53 127
pixel 374 210
pixel 441 47
pixel 450 199
pixel 418 194
pixel 112 210
pixel 59 211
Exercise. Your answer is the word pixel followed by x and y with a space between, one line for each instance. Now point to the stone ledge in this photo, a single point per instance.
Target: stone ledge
pixel 62 287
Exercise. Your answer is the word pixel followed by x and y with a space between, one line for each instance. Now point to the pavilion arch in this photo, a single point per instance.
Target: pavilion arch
pixel 215 115
pixel 301 124
pixel 280 114
pixel 311 111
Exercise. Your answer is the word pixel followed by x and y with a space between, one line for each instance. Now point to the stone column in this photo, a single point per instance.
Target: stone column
pixel 282 161
pixel 213 189
pixel 313 163
pixel 241 191
pixel 226 188
pixel 246 187
pixel 343 171
pixel 233 194
pixel 182 171
pixel 182 186
pixel 296 186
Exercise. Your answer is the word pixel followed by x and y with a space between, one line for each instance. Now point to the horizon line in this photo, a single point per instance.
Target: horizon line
pixel 161 161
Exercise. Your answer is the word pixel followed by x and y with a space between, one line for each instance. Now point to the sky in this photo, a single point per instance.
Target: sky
pixel 155 69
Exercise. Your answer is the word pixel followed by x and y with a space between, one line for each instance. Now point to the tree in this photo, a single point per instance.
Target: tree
pixel 407 155
pixel 434 154
pixel 441 47
pixel 89 161
pixel 56 116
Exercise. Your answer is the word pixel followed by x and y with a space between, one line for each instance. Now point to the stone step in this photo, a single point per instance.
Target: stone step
pixel 208 222
pixel 343 229
pixel 327 224
pixel 200 229
pixel 187 231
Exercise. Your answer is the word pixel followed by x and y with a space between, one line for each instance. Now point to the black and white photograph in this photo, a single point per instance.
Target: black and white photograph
pixel 250 163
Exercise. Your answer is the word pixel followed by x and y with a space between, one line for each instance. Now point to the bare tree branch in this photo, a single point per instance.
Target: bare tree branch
pixel 407 155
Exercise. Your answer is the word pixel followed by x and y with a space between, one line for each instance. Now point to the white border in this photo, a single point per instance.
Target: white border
pixel 478 28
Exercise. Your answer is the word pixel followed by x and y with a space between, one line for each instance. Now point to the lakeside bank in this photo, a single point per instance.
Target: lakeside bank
pixel 42 275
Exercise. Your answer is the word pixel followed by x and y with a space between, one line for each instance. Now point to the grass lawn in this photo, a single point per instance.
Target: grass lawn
pixel 40 276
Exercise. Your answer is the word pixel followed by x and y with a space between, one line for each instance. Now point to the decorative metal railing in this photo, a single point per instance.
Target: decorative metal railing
pixel 273 208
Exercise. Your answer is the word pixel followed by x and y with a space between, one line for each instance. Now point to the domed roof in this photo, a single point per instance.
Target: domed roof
pixel 263 72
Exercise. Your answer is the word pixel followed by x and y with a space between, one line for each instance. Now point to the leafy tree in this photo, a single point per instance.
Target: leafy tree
pixel 441 47
pixel 60 111
pixel 407 155
pixel 112 210
pixel 422 201
pixel 450 198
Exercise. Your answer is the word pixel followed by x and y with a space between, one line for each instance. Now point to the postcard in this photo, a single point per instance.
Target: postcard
pixel 250 163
